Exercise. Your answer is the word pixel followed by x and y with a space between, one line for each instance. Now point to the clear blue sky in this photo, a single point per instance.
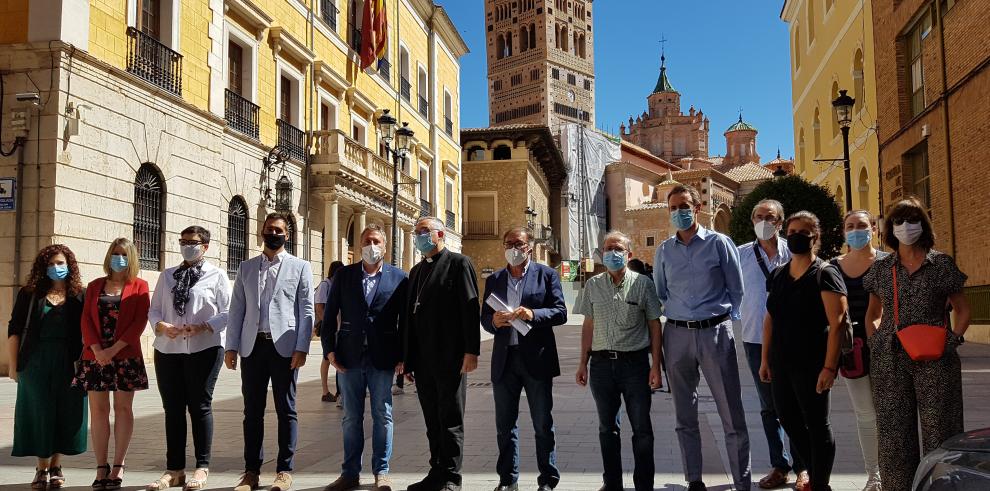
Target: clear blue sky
pixel 721 55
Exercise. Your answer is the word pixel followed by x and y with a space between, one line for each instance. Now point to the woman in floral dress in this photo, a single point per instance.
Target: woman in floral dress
pixel 115 314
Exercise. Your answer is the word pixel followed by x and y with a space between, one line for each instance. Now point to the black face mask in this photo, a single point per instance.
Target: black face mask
pixel 274 242
pixel 799 243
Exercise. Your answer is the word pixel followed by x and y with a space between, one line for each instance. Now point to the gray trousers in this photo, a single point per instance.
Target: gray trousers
pixel 714 351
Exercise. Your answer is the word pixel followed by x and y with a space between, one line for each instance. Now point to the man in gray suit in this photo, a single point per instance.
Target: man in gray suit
pixel 270 326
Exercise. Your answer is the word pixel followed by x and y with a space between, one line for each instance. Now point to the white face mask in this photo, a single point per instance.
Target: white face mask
pixel 372 253
pixel 192 253
pixel 515 257
pixel 765 230
pixel 908 233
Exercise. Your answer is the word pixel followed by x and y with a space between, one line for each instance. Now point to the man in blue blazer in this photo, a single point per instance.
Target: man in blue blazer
pixel 532 293
pixel 365 349
pixel 270 325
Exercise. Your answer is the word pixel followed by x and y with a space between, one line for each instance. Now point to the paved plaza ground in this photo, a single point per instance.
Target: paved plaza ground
pixel 320 453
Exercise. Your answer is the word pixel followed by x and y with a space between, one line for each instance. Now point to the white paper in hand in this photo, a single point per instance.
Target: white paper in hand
pixel 499 305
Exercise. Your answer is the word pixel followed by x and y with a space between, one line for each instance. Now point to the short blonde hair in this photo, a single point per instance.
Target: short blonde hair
pixel 133 261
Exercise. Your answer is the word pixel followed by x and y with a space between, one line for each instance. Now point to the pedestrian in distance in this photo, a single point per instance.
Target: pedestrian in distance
pixel 189 318
pixel 621 338
pixel 915 379
pixel 44 340
pixel 699 282
pixel 115 314
pixel 758 259
pixel 442 340
pixel 364 346
pixel 269 329
pixel 527 294
pixel 802 333
pixel 859 227
pixel 322 292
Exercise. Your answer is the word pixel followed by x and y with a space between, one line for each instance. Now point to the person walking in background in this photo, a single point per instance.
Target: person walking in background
pixel 44 339
pixel 322 292
pixel 189 317
pixel 758 259
pixel 442 340
pixel 914 286
pixel 859 226
pixel 620 336
pixel 269 327
pixel 802 332
pixel 365 349
pixel 115 314
pixel 699 282
pixel 531 293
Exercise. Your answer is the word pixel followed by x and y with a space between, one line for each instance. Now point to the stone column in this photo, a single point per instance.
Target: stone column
pixel 331 233
pixel 410 245
pixel 390 248
pixel 359 224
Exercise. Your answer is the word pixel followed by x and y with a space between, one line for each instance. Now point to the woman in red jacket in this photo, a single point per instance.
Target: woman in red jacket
pixel 115 314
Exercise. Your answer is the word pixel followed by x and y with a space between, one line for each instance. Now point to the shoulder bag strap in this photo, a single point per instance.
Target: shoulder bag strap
pixel 759 259
pixel 893 271
pixel 27 322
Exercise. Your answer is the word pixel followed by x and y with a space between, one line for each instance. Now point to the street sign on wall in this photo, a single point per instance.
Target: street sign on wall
pixel 8 192
pixel 568 270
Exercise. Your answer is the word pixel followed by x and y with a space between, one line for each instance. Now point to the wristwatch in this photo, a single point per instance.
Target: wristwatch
pixel 957 339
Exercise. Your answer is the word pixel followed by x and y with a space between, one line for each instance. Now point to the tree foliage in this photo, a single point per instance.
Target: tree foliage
pixel 795 194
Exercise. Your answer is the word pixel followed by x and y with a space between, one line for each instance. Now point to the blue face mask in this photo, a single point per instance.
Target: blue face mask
pixel 58 272
pixel 424 242
pixel 614 260
pixel 682 219
pixel 118 263
pixel 858 239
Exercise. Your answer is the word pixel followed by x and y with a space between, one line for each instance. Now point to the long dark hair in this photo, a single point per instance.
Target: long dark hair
pixel 38 282
pixel 334 266
pixel 909 208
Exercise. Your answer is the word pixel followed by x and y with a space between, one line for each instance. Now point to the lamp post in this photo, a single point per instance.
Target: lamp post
pixel 276 157
pixel 843 106
pixel 403 139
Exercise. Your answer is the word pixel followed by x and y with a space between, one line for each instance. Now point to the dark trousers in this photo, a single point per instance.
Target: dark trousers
pixel 264 365
pixel 612 381
pixel 803 412
pixel 442 397
pixel 771 425
pixel 186 383
pixel 539 395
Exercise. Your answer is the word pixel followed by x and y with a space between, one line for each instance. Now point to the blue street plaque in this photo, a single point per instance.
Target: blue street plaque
pixel 8 190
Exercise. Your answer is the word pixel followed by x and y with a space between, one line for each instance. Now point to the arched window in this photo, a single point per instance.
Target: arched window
pixel 864 189
pixel 563 38
pixel 523 39
pixel 801 161
pixel 508 43
pixel 816 126
pixel 290 235
pixel 797 48
pixel 556 36
pixel 840 198
pixel 858 91
pixel 476 153
pixel 237 234
pixel 532 35
pixel 575 47
pixel 582 46
pixel 811 21
pixel 502 152
pixel 500 47
pixel 149 216
pixel 835 116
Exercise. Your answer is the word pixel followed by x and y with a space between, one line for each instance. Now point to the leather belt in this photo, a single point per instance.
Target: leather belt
pixel 702 324
pixel 265 335
pixel 615 355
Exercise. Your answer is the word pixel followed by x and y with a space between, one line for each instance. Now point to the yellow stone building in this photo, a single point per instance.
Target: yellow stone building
pixel 153 115
pixel 831 45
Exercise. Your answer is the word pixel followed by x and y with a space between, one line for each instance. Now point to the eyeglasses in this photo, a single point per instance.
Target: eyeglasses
pixel 184 242
pixel 615 249
pixel 515 245
pixel 911 220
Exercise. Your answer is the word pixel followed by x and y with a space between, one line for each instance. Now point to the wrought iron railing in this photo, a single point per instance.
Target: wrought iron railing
pixel 151 60
pixel 424 107
pixel 355 37
pixel 329 13
pixel 425 208
pixel 451 220
pixel 241 114
pixel 448 126
pixel 405 88
pixel 481 228
pixel 385 69
pixel 292 139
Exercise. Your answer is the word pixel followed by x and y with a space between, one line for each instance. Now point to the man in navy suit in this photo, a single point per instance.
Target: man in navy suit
pixel 532 294
pixel 365 349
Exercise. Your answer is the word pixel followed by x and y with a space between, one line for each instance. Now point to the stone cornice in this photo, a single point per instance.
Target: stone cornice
pixel 257 17
pixel 283 41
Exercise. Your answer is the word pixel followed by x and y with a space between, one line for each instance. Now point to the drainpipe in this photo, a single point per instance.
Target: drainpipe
pixel 18 213
pixel 308 238
pixel 945 125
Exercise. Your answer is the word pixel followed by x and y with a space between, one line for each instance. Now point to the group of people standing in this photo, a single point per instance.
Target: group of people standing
pixel 804 321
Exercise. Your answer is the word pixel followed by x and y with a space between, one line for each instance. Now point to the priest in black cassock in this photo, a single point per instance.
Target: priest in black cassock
pixel 442 340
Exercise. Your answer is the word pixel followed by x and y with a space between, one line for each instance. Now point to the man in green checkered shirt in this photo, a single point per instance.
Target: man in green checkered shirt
pixel 621 333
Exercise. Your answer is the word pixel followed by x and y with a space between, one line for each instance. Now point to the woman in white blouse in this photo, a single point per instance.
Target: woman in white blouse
pixel 189 314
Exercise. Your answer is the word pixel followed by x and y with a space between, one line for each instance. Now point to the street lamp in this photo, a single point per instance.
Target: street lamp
pixel 843 106
pixel 403 138
pixel 283 194
pixel 276 158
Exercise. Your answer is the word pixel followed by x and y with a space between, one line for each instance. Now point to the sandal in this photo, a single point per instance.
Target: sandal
pixel 775 479
pixel 101 484
pixel 197 484
pixel 169 479
pixel 40 479
pixel 113 484
pixel 55 477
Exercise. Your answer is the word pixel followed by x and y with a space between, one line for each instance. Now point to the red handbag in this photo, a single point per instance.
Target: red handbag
pixel 922 342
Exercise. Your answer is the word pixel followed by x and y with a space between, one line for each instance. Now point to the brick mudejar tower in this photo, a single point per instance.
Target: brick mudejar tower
pixel 541 67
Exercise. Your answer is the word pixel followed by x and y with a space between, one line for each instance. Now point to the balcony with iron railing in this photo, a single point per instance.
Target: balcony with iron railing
pixel 151 60
pixel 241 114
pixel 477 229
pixel 292 139
pixel 424 107
pixel 425 208
pixel 385 69
pixel 405 88
pixel 329 11
pixel 344 155
pixel 448 126
pixel 451 221
pixel 355 35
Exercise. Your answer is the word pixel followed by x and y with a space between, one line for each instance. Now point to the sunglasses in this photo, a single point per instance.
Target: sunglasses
pixel 911 220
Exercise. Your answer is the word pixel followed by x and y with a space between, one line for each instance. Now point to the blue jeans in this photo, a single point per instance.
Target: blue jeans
pixel 626 378
pixel 771 424
pixel 539 394
pixel 355 383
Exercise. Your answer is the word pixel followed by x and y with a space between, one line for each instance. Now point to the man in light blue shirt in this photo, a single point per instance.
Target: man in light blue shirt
pixel 700 285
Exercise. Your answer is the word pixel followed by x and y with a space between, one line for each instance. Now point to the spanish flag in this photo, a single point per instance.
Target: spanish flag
pixel 374 32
